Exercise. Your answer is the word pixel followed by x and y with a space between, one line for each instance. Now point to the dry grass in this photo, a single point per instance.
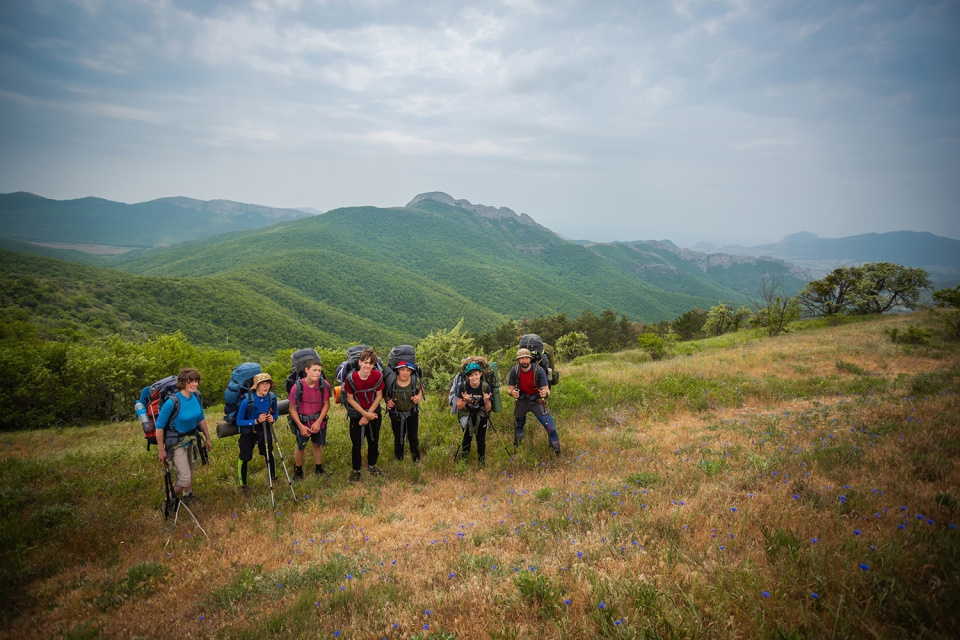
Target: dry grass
pixel 673 508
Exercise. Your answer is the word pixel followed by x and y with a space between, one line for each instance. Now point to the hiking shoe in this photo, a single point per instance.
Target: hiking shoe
pixel 354 476
pixel 298 473
pixel 556 447
pixel 244 489
pixel 188 498
pixel 319 470
pixel 375 472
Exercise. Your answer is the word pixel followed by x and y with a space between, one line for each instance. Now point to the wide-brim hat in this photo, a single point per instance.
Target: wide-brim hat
pixel 523 353
pixel 262 377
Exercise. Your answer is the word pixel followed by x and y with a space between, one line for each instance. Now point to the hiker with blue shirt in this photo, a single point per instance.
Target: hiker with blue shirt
pixel 255 416
pixel 180 417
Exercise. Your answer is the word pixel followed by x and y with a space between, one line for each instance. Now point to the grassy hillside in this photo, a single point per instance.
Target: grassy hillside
pixel 798 486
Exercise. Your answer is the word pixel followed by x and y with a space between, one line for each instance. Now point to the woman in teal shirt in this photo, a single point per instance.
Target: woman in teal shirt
pixel 180 416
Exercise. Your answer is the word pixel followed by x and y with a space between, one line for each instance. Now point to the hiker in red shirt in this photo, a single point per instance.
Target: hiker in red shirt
pixel 364 389
pixel 529 385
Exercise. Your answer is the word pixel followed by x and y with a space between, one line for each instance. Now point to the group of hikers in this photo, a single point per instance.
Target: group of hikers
pixel 365 389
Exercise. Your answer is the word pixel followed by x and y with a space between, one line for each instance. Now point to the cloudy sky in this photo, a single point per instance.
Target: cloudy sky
pixel 722 121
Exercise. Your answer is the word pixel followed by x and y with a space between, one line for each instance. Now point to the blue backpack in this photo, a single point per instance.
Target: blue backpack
pixel 241 379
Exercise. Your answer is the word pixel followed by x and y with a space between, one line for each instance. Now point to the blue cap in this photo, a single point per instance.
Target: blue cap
pixel 473 366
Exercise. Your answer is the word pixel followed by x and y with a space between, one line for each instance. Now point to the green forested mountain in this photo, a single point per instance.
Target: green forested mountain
pixel 31 218
pixel 502 263
pixel 381 276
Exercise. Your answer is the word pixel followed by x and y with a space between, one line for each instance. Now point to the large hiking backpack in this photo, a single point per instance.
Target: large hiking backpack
pixel 542 356
pixel 406 354
pixel 152 398
pixel 488 374
pixel 241 380
pixel 298 363
pixel 351 364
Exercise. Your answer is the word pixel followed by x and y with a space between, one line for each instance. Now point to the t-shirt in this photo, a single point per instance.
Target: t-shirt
pixel 402 397
pixel 187 418
pixel 311 401
pixel 526 381
pixel 476 392
pixel 365 391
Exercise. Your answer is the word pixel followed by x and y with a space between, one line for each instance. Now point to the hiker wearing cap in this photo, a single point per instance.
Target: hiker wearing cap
pixel 364 389
pixel 473 410
pixel 309 406
pixel 181 416
pixel 529 385
pixel 403 406
pixel 257 411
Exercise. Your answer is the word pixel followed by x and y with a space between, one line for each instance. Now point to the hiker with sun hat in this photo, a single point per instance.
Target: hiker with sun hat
pixel 257 411
pixel 529 385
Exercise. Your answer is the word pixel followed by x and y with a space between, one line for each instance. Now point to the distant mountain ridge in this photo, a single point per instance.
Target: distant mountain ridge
pixel 937 254
pixel 27 217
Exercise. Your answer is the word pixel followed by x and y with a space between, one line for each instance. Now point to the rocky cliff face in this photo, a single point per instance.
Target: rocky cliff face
pixel 480 210
pixel 709 260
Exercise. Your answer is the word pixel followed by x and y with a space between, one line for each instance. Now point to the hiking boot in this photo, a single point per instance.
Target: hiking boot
pixel 244 489
pixel 354 476
pixel 556 447
pixel 319 471
pixel 188 498
pixel 298 474
pixel 375 472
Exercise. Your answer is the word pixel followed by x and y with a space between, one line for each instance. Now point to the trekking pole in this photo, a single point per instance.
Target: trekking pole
pixel 270 464
pixel 282 462
pixel 171 497
pixel 492 427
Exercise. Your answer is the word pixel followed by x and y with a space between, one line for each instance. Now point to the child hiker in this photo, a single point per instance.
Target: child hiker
pixel 364 389
pixel 255 416
pixel 473 411
pixel 403 405
pixel 528 384
pixel 309 405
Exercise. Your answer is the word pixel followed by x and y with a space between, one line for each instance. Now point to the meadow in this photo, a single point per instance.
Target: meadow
pixel 798 486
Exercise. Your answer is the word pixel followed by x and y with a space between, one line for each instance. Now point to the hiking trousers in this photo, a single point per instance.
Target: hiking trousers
pixel 370 431
pixel 405 429
pixel 527 405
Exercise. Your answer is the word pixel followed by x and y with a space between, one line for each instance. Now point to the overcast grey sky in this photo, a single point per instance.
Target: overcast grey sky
pixel 720 121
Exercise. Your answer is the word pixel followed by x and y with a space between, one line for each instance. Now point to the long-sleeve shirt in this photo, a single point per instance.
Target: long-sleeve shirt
pixel 247 415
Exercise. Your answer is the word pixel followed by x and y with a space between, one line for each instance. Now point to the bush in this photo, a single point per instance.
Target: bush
pixel 653 344
pixel 573 345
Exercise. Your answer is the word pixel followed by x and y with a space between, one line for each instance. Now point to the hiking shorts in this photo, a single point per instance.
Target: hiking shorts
pixel 250 440
pixel 183 462
pixel 319 439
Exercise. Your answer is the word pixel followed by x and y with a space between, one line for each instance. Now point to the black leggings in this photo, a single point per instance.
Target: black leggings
pixel 371 431
pixel 410 429
pixel 481 437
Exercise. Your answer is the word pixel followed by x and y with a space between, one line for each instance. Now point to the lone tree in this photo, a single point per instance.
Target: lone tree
pixel 872 288
pixel 885 285
pixel 829 296
pixel 774 310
